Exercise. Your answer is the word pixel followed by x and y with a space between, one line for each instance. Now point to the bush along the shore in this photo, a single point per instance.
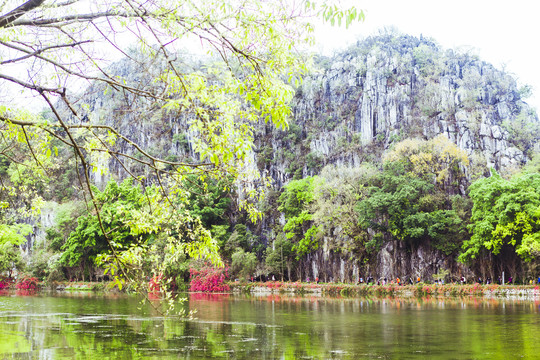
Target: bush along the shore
pixel 5 282
pixel 27 283
pixel 209 279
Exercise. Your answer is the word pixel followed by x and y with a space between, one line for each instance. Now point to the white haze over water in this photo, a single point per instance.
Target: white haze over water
pixel 504 33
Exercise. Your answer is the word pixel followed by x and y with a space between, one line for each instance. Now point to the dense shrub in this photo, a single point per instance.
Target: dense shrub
pixel 209 279
pixel 5 282
pixel 27 283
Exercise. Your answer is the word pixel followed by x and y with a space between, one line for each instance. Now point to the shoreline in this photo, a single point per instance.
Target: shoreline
pixel 418 290
pixel 335 289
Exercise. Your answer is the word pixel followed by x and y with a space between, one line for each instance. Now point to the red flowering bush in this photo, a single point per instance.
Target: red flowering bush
pixel 427 290
pixel 209 279
pixel 27 283
pixel 5 282
pixel 159 283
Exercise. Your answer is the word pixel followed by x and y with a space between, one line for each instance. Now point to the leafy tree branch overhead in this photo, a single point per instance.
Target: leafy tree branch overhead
pixel 55 49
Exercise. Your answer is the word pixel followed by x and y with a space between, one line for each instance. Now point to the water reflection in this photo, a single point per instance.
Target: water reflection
pixel 85 325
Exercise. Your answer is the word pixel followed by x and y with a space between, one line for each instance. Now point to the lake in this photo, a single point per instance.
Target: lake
pixel 118 326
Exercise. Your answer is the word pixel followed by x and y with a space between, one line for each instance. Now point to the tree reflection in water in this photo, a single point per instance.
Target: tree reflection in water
pixel 85 325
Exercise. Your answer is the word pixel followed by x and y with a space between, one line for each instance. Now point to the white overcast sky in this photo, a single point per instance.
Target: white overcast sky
pixel 504 33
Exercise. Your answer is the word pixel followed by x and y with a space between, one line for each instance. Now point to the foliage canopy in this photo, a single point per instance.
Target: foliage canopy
pixel 505 212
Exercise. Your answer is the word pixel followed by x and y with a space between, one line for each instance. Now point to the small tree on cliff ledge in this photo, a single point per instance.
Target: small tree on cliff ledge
pixel 51 48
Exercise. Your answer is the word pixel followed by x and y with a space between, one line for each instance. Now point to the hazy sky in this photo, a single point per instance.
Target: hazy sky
pixel 504 33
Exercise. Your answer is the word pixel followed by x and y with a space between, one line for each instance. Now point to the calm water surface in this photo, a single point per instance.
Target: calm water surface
pixel 88 326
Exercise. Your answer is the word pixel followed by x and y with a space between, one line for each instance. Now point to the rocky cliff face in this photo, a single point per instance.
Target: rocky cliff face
pixel 383 90
pixel 389 88
pixel 393 260
pixel 357 104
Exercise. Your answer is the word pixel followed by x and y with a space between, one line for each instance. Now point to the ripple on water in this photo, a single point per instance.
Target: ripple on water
pixel 32 315
pixel 235 323
pixel 92 319
pixel 338 352
pixel 249 339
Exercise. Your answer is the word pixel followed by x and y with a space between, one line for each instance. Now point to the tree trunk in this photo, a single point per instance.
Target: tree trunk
pixel 289 271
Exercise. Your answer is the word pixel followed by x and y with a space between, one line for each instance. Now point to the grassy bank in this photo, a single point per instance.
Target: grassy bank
pixel 80 286
pixel 420 289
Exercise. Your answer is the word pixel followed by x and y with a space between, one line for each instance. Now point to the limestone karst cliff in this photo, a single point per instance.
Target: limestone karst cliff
pixel 389 88
pixel 351 110
pixel 357 104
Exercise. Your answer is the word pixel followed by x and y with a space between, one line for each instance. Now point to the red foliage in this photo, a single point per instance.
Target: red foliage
pixel 154 286
pixel 273 284
pixel 209 279
pixel 27 283
pixel 5 282
pixel 158 283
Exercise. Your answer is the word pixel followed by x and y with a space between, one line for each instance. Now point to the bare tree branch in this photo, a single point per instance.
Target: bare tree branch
pixel 59 42
pixel 81 157
pixel 10 17
pixel 29 53
pixel 16 122
pixel 38 88
pixel 32 150
pixel 65 20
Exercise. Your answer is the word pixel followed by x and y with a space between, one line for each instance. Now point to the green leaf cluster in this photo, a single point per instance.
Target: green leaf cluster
pixel 11 236
pixel 280 256
pixel 294 203
pixel 505 213
pixel 122 215
pixel 243 263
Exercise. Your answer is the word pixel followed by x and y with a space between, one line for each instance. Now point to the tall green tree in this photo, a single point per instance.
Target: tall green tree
pixel 337 192
pixel 506 213
pixel 438 161
pixel 280 257
pixel 124 218
pixel 243 263
pixel 410 199
pixel 11 236
pixel 294 202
